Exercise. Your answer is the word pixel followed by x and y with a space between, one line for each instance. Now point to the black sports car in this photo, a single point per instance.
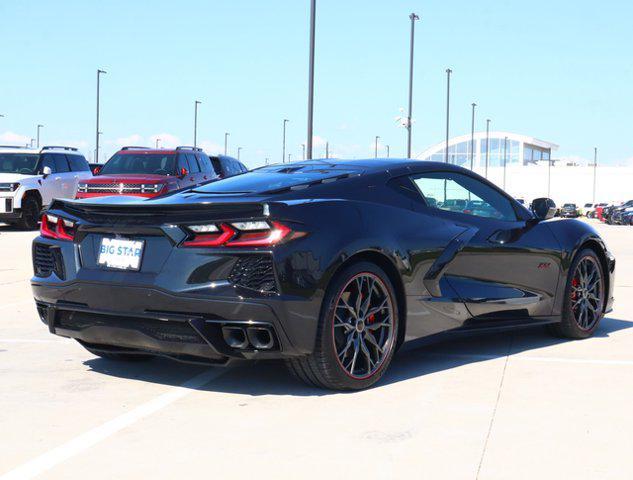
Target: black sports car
pixel 331 265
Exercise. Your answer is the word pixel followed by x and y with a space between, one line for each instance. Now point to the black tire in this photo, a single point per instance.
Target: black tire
pixel 120 357
pixel 30 214
pixel 324 367
pixel 570 326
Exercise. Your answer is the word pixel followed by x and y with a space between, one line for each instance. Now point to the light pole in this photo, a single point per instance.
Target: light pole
pixel 487 145
pixel 413 18
pixel 376 146
pixel 195 122
pixel 226 143
pixel 99 72
pixel 327 149
pixel 595 166
pixel 157 141
pixel 448 107
pixel 303 148
pixel 38 134
pixel 472 137
pixel 311 78
pixel 387 146
pixel 239 149
pixel 549 175
pixel 289 157
pixel 505 160
pixel 283 143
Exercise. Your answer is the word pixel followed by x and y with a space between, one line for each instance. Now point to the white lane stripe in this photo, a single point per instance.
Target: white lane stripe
pixel 77 445
pixel 475 356
pixel 32 340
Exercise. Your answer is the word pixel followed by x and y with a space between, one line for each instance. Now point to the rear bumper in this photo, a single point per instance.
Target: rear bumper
pixel 139 319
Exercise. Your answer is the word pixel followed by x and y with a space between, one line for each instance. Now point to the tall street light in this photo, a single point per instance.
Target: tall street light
pixel 289 157
pixel 226 143
pixel 283 143
pixel 413 18
pixel 387 146
pixel 38 134
pixel 505 160
pixel 311 78
pixel 595 166
pixel 239 149
pixel 327 149
pixel 472 136
pixel 303 149
pixel 487 145
pixel 97 132
pixel 157 142
pixel 195 122
pixel 448 109
pixel 376 146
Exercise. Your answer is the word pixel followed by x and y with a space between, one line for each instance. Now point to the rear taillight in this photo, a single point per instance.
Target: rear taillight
pixel 56 227
pixel 240 234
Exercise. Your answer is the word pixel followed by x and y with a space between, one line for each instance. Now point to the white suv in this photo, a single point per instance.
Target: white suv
pixel 31 178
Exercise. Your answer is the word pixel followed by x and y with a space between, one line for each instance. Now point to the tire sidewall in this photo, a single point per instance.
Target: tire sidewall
pixel 31 206
pixel 569 321
pixel 327 319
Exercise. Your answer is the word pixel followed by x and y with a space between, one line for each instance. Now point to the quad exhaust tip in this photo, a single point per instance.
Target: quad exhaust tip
pixel 258 338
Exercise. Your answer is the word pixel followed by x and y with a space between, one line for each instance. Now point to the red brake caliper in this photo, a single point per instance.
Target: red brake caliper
pixel 574 283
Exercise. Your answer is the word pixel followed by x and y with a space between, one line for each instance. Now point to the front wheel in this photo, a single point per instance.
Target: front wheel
pixel 584 297
pixel 30 214
pixel 357 332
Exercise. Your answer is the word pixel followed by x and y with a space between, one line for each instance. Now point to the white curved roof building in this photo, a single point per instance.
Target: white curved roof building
pixel 514 148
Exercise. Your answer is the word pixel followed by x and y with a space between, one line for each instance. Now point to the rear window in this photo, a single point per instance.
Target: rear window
pixel 272 178
pixel 148 163
pixel 78 163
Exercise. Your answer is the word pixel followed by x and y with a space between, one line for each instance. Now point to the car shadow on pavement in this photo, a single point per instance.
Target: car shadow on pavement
pixel 272 378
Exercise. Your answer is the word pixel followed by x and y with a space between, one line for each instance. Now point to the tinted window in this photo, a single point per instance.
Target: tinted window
pixel 78 163
pixel 217 166
pixel 48 161
pixel 193 163
pixel 18 163
pixel 455 192
pixel 205 163
pixel 140 163
pixel 61 164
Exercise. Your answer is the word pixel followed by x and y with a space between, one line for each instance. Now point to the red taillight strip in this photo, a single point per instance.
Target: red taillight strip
pixel 59 233
pixel 261 239
pixel 212 240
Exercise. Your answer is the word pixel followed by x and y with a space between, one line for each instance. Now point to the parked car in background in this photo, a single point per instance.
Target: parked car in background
pixel 31 178
pixel 585 209
pixel 226 166
pixel 615 214
pixel 251 267
pixel 569 210
pixel 148 172
pixel 597 210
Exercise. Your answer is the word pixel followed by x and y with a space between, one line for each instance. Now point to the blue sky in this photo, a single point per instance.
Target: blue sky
pixel 558 70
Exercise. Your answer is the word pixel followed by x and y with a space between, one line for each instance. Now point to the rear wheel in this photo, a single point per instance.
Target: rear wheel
pixel 30 214
pixel 584 297
pixel 357 331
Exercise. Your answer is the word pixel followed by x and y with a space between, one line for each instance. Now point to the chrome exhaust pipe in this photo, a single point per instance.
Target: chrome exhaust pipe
pixel 261 338
pixel 235 337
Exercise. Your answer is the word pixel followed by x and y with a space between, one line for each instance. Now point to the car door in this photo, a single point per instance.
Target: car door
pixel 52 184
pixel 67 180
pixel 505 265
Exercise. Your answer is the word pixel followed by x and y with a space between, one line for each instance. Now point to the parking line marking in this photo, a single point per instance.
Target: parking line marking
pixel 84 441
pixel 470 356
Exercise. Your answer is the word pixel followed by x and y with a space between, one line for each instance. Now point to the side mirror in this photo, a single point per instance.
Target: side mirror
pixel 183 172
pixel 46 171
pixel 543 208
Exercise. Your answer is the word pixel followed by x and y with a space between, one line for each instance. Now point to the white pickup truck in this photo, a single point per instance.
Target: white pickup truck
pixel 31 178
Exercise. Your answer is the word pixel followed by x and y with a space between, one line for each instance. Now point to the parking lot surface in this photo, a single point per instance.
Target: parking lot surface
pixel 514 405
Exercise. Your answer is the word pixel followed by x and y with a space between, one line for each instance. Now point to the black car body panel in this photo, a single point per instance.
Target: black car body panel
pixel 453 271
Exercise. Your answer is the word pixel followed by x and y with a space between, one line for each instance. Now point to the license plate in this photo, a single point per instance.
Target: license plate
pixel 121 254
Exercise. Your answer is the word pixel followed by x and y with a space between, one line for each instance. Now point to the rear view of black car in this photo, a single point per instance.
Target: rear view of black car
pixel 330 265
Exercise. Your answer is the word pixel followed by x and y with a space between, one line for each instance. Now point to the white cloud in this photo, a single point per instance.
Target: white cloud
pixel 167 140
pixel 12 138
pixel 134 139
pixel 212 148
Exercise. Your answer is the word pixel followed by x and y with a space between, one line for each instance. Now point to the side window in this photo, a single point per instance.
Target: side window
pixel 61 164
pixel 215 161
pixel 182 163
pixel 205 163
pixel 193 164
pixel 48 161
pixel 455 192
pixel 78 163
